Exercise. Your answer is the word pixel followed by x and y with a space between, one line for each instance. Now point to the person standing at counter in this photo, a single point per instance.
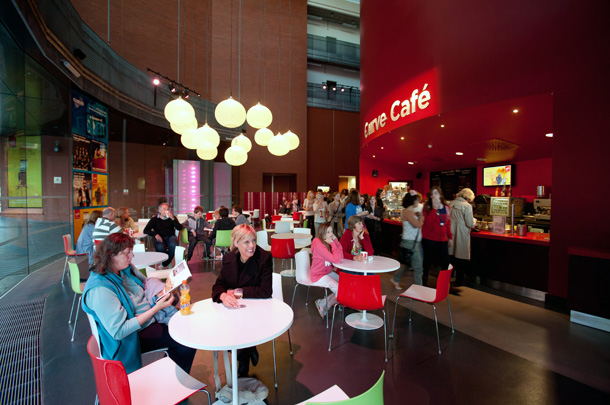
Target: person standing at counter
pixel 462 221
pixel 308 207
pixel 355 240
pixel 373 221
pixel 412 221
pixel 353 206
pixel 436 232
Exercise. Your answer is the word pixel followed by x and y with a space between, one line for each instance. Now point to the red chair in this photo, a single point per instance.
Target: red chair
pixel 362 293
pixel 209 216
pixel 283 249
pixel 70 253
pixel 296 216
pixel 161 382
pixel 275 218
pixel 429 296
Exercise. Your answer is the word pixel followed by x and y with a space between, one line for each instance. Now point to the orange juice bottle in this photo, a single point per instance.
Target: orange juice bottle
pixel 185 298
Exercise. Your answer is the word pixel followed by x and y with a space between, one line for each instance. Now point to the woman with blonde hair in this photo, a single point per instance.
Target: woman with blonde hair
pixel 250 268
pixel 308 207
pixel 124 220
pixel 462 221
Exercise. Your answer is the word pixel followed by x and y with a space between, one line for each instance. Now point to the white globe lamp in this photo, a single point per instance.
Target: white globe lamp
pixel 236 155
pixel 279 145
pixel 179 112
pixel 182 128
pixel 293 139
pixel 230 113
pixel 259 116
pixel 263 136
pixel 209 153
pixel 243 141
pixel 209 134
pixel 189 139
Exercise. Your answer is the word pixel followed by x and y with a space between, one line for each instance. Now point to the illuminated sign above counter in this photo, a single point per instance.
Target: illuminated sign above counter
pixel 414 100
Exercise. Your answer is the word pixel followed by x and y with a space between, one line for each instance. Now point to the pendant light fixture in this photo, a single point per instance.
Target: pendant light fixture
pixel 279 145
pixel 263 136
pixel 236 155
pixel 230 113
pixel 259 116
pixel 242 141
pixel 182 128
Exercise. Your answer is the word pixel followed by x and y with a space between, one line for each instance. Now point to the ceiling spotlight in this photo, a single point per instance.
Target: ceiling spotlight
pixel 402 138
pixel 442 125
pixel 342 89
pixel 171 87
pixel 549 135
pixel 382 147
pixel 459 153
pixel 334 89
pixel 411 163
pixel 186 93
pixel 324 87
pixel 373 155
pixel 156 81
pixel 515 111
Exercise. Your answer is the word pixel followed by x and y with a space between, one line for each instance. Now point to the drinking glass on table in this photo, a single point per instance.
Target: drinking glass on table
pixel 238 293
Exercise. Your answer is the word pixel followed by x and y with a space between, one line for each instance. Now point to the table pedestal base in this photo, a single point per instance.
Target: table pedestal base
pixel 364 321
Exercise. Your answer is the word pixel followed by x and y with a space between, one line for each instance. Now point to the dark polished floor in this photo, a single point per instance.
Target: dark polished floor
pixel 503 351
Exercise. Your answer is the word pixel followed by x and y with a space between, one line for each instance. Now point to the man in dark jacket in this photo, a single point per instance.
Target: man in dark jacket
pixel 196 225
pixel 163 229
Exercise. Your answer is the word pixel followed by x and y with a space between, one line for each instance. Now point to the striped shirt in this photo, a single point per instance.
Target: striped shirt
pixel 103 228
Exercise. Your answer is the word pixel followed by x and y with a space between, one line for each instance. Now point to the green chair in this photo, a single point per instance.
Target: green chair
pixel 306 223
pixel 184 236
pixel 223 240
pixel 78 288
pixel 374 396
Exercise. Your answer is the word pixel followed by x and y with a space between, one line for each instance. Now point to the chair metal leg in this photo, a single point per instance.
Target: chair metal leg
pixel 72 310
pixel 394 322
pixel 342 316
pixel 76 317
pixel 438 340
pixel 326 305
pixel 385 339
pixel 450 317
pixel 63 276
pixel 293 294
pixel 331 328
pixel 289 342
pixel 274 365
pixel 208 394
pixel 410 309
pixel 307 297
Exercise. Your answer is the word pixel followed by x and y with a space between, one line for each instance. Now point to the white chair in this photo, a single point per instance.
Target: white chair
pixel 278 294
pixel 303 277
pixel 282 227
pixel 262 241
pixel 179 254
pixel 333 394
pixel 142 224
pixel 302 243
pixel 139 248
pixel 256 215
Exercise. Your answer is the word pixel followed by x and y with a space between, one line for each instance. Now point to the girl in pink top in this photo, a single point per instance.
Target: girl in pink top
pixel 325 250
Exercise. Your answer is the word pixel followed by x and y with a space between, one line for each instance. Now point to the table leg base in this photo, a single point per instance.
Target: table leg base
pixel 288 273
pixel 371 322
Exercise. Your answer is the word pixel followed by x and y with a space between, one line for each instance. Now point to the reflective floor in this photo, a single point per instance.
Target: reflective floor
pixel 503 351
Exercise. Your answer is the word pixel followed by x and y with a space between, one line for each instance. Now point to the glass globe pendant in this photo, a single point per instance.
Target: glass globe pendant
pixel 279 145
pixel 243 141
pixel 293 139
pixel 179 112
pixel 259 116
pixel 230 113
pixel 182 128
pixel 263 136
pixel 236 155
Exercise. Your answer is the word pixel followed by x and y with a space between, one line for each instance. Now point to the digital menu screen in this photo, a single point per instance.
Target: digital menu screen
pixel 498 176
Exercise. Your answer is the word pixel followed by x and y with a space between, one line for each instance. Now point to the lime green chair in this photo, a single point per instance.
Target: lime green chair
pixel 184 236
pixel 374 396
pixel 306 223
pixel 223 240
pixel 78 288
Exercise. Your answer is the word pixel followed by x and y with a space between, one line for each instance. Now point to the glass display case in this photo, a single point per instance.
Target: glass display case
pixel 392 201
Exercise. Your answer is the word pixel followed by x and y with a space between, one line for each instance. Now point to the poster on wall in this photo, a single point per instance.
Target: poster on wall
pixel 89 118
pixel 24 175
pixel 81 158
pixel 98 162
pixel 81 217
pixel 81 184
pixel 99 189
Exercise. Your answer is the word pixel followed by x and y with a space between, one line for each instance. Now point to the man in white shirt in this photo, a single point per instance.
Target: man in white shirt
pixel 105 225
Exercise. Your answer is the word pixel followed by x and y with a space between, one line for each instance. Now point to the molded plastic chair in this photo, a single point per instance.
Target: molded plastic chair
pixel 209 216
pixel 374 396
pixel 179 253
pixel 429 296
pixel 278 294
pixel 283 227
pixel 78 288
pixel 261 240
pixel 264 221
pixel 139 248
pixel 303 277
pixel 184 238
pixel 296 216
pixel 362 293
pixel 302 243
pixel 161 382
pixel 256 216
pixel 70 253
pixel 223 240
pixel 334 393
pixel 282 249
pixel 305 223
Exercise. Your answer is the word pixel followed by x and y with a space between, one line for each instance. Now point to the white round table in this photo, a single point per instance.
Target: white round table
pixel 378 264
pixel 139 235
pixel 292 272
pixel 212 326
pixel 143 259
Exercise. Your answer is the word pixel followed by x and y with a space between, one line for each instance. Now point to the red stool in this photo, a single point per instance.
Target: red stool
pixel 283 249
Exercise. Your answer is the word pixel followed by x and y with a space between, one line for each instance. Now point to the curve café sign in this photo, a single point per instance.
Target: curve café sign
pixel 410 102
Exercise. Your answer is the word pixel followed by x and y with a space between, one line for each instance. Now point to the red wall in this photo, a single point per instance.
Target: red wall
pixel 484 52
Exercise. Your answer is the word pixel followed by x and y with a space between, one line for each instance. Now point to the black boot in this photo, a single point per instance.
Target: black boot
pixel 254 356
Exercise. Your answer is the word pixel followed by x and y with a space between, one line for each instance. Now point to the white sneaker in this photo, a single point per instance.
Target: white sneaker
pixel 321 308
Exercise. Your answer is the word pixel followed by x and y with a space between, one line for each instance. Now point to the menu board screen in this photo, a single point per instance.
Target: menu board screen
pixel 498 176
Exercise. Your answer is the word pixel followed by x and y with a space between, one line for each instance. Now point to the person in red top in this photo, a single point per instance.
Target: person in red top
pixel 355 240
pixel 436 232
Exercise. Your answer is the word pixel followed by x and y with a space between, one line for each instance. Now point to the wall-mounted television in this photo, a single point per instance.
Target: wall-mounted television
pixel 325 189
pixel 495 176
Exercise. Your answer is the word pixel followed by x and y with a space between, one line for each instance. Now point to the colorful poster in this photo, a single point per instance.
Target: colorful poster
pixel 98 163
pixel 81 159
pixel 81 184
pixel 89 118
pixel 24 171
pixel 81 217
pixel 99 189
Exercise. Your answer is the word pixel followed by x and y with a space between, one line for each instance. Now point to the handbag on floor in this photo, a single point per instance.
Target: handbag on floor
pixel 251 390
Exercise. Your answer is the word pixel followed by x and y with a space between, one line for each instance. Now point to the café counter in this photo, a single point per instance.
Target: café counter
pixel 518 264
